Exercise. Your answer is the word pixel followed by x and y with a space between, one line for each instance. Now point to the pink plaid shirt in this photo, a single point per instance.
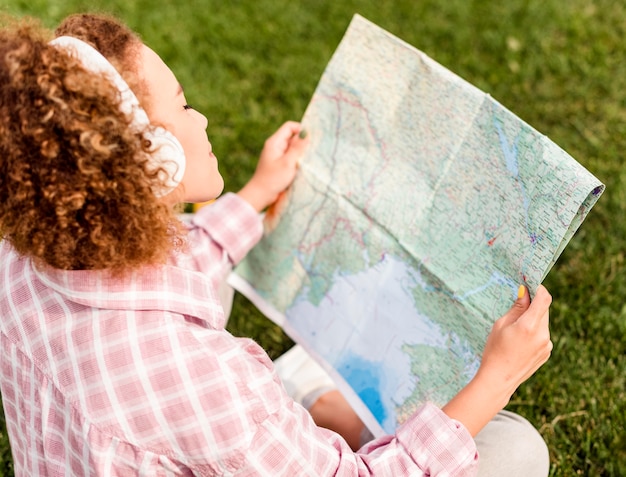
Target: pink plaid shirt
pixel 137 376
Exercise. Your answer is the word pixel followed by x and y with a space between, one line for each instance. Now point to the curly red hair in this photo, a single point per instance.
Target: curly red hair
pixel 75 181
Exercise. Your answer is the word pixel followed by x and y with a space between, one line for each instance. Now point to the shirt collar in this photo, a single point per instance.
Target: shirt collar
pixel 163 288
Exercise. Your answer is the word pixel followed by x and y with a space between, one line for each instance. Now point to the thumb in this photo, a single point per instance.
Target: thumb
pixel 297 145
pixel 519 307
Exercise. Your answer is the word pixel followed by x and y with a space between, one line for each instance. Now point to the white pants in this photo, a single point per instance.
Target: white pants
pixel 509 446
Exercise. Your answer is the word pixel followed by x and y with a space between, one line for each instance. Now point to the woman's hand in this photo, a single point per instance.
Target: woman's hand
pixel 519 343
pixel 277 166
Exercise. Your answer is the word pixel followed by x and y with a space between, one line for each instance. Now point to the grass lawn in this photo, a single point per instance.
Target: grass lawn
pixel 249 65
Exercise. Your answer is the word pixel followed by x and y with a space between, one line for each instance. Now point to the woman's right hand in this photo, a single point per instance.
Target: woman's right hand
pixel 277 166
pixel 519 343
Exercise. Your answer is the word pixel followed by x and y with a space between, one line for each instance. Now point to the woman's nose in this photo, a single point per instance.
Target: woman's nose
pixel 204 119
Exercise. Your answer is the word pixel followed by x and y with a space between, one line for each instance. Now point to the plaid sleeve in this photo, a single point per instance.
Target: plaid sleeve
pixel 221 408
pixel 439 445
pixel 231 223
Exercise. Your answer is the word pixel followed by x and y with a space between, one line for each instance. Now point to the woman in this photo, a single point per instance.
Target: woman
pixel 114 356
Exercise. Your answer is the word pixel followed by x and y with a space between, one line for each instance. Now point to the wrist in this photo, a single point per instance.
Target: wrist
pixel 477 403
pixel 257 197
pixel 497 388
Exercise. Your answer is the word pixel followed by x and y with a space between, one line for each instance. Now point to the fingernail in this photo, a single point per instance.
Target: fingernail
pixel 521 291
pixel 302 134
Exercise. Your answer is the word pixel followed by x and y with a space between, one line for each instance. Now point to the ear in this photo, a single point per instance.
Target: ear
pixel 167 152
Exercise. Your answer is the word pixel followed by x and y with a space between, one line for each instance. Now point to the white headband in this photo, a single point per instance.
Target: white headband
pixel 167 152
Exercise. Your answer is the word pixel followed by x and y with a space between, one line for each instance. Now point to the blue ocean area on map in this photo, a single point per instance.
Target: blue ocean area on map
pixel 365 378
pixel 373 336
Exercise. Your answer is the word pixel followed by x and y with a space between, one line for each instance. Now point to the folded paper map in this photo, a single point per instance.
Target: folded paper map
pixel 420 207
